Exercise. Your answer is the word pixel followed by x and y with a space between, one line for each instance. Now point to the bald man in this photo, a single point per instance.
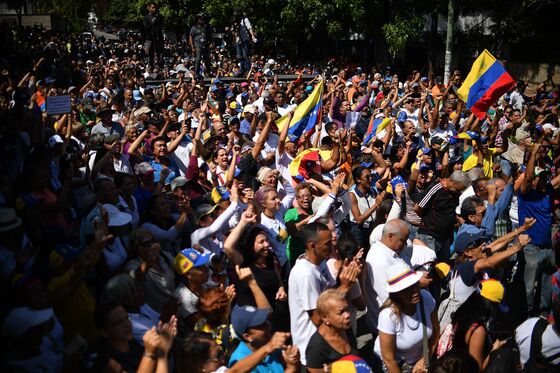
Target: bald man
pixel 382 255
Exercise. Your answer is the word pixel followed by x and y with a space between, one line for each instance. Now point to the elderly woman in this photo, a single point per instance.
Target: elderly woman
pixel 165 226
pixel 333 338
pixel 151 269
pixel 406 319
pixel 122 289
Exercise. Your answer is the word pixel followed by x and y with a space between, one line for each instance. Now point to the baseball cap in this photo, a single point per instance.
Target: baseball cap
pixel 492 289
pixel 350 364
pixel 468 240
pixel 400 276
pixel 245 317
pixel 189 258
pixel 219 193
pixel 178 182
pixel 55 139
pixel 143 168
pixel 116 218
pixel 21 319
pixel 63 253
pixel 142 110
pixel 426 150
pixel 249 109
pixel 204 210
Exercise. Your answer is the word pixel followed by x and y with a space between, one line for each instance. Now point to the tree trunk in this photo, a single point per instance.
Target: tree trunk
pixel 432 48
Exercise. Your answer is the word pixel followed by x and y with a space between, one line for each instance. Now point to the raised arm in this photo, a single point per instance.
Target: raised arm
pixel 259 145
pixel 284 133
pixel 134 146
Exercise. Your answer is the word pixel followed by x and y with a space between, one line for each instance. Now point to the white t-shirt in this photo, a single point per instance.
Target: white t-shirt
pixel 378 260
pixel 277 234
pixel 550 340
pixel 469 192
pixel 181 156
pixel 307 281
pixel 187 302
pixel 407 329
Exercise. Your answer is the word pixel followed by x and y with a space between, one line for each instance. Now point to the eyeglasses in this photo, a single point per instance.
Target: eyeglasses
pixel 148 243
pixel 303 196
pixel 119 322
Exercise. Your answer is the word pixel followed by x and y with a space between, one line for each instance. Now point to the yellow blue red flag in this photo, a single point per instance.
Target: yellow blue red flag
pixel 375 126
pixel 306 116
pixel 487 81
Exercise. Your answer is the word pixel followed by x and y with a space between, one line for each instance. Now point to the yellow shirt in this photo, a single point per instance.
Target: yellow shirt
pixel 76 311
pixel 487 162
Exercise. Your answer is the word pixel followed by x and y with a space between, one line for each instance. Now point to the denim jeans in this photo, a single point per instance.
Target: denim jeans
pixel 243 56
pixel 537 259
pixel 202 54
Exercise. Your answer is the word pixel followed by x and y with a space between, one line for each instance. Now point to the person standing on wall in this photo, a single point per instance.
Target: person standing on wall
pixel 153 32
pixel 199 42
pixel 244 36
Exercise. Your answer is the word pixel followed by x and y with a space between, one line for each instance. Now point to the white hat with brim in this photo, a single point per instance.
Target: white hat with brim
pixel 8 219
pixel 21 319
pixel 400 276
pixel 117 218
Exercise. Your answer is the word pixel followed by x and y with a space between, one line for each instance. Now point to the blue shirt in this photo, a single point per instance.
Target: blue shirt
pixel 270 364
pixel 534 204
pixel 158 167
pixel 245 127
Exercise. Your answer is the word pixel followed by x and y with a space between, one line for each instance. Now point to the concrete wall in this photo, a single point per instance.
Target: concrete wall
pixel 47 21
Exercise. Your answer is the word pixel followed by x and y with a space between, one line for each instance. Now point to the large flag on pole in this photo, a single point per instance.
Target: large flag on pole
pixel 487 81
pixel 307 114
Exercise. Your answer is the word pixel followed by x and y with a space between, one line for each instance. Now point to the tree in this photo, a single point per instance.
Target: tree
pixel 19 7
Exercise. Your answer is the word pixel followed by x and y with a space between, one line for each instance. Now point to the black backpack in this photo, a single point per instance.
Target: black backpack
pixel 537 363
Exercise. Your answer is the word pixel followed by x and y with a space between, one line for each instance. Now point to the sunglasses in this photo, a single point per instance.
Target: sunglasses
pixel 147 243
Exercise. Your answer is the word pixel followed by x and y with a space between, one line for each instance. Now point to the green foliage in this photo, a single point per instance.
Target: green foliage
pixel 75 11
pixel 402 31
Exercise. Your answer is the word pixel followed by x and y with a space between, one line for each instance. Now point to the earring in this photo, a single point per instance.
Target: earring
pixel 327 323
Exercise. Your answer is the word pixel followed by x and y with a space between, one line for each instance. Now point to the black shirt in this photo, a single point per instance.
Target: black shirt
pixel 320 352
pixel 268 282
pixel 129 361
pixel 438 216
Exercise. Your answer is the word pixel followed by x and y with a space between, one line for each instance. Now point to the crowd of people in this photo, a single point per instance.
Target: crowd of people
pixel 179 228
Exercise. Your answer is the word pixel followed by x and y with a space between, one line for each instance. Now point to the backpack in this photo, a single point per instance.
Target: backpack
pixel 537 363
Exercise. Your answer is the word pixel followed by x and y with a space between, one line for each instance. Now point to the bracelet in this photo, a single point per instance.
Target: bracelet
pixel 332 196
pixel 150 356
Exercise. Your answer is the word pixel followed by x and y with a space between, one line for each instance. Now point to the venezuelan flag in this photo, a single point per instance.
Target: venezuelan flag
pixel 487 81
pixel 375 126
pixel 307 114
